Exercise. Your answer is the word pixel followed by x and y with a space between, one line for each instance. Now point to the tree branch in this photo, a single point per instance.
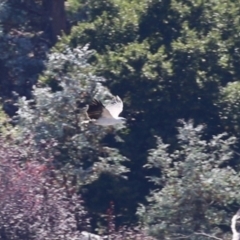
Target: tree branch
pixel 207 235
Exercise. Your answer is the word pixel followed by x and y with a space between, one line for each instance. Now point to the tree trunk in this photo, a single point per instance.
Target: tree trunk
pixel 56 15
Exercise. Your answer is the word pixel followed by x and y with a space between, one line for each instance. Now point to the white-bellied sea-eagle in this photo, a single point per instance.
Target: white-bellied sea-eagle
pixel 106 115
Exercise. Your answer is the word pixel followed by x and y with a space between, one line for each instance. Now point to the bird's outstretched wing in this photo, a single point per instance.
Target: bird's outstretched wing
pixel 96 110
pixel 115 107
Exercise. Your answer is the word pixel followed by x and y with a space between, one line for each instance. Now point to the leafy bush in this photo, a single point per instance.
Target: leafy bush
pixel 197 188
pixel 35 201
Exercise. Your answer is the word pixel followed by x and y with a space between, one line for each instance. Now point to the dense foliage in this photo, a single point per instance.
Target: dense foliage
pixel 23 47
pixel 167 60
pixel 59 115
pixel 197 189
pixel 36 202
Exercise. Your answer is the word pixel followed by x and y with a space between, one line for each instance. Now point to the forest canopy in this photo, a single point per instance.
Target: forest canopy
pixel 172 171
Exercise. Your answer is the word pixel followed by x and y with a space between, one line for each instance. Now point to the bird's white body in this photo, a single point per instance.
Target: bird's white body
pixel 109 121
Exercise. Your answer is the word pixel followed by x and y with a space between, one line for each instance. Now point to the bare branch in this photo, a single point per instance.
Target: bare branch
pixel 207 235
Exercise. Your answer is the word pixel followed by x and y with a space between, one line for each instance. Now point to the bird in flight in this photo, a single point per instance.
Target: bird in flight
pixel 106 115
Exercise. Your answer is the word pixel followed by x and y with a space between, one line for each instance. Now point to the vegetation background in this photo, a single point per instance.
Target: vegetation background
pixel 172 171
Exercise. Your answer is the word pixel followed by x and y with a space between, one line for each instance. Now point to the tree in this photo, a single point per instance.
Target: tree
pixel 59 115
pixel 23 45
pixel 28 30
pixel 56 18
pixel 194 186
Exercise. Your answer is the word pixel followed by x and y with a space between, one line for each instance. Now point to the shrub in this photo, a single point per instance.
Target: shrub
pixel 35 201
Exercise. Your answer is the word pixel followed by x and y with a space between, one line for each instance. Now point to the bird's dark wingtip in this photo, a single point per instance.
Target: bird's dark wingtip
pixel 95 109
pixel 96 102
